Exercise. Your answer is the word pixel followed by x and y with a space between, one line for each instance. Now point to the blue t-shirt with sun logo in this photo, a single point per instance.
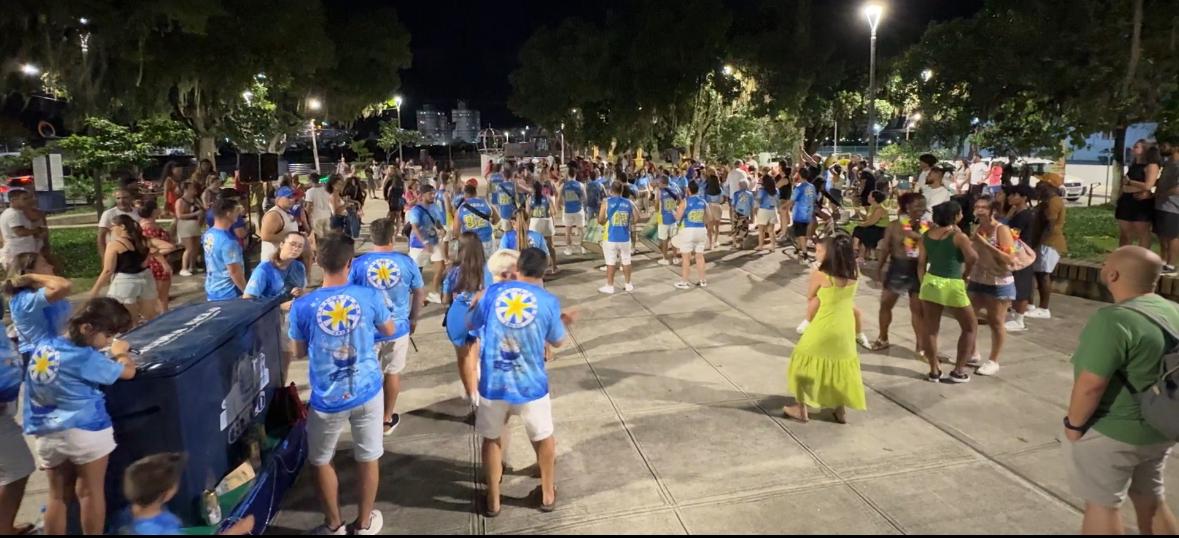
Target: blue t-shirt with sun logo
pixel 221 251
pixel 35 318
pixel 395 276
pixel 339 326
pixel 513 321
pixel 62 391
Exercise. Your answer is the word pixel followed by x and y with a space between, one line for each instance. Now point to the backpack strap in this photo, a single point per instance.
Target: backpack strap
pixel 1161 323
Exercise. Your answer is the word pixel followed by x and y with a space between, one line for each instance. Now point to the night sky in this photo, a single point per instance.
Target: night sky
pixel 466 50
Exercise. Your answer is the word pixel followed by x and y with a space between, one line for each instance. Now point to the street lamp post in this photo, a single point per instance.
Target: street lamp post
pixel 872 11
pixel 400 153
pixel 314 105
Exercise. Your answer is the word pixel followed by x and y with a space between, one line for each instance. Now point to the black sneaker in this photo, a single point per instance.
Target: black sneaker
pixel 956 377
pixel 934 378
pixel 392 424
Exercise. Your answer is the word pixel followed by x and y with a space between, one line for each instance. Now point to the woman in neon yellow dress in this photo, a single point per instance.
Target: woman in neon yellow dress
pixel 825 366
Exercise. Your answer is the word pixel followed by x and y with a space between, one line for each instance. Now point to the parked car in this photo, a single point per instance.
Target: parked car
pixel 1072 188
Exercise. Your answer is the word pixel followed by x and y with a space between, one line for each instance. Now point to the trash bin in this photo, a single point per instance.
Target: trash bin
pixel 207 373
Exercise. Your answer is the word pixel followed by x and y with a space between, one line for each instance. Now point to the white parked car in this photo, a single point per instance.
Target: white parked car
pixel 1072 189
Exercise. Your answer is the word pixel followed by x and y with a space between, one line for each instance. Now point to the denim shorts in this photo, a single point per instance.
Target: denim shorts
pixel 1002 292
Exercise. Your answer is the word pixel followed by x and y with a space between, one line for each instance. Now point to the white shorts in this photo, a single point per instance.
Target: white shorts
pixel 131 288
pixel 614 252
pixel 188 228
pixel 1047 259
pixel 667 231
pixel 766 217
pixel 75 446
pixel 492 415
pixel 430 254
pixel 544 226
pixel 575 219
pixel 368 432
pixel 392 354
pixel 16 462
pixel 692 240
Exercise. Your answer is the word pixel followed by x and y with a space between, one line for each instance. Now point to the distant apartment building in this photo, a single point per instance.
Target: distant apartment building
pixel 437 129
pixel 466 124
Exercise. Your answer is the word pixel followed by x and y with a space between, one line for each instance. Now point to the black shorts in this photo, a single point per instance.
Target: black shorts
pixel 799 229
pixel 1025 283
pixel 1131 209
pixel 870 236
pixel 1166 224
pixel 901 277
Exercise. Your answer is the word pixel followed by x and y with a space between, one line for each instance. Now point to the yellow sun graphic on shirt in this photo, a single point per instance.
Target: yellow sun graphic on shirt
pixel 516 308
pixel 43 365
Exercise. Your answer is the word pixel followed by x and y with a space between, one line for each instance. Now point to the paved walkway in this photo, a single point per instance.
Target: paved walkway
pixel 667 408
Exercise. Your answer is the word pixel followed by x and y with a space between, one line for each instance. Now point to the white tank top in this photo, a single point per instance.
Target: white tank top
pixel 289 225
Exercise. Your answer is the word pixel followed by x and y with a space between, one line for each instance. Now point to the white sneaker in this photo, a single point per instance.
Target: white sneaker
pixel 683 285
pixel 1016 324
pixel 702 283
pixel 802 326
pixel 608 290
pixel 602 268
pixel 975 360
pixel 1038 313
pixel 583 250
pixel 434 297
pixel 323 530
pixel 862 339
pixel 677 261
pixel 568 252
pixel 988 368
pixel 185 272
pixel 376 522
pixel 663 261
pixel 630 287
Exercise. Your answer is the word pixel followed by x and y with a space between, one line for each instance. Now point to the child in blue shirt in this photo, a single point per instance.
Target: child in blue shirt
pixel 65 411
pixel 742 213
pixel 151 483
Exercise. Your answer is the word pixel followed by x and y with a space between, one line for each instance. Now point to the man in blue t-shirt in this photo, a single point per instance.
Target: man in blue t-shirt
pixel 426 228
pixel 802 210
pixel 669 202
pixel 335 328
pixel 503 197
pixel 399 281
pixel 618 216
pixel 475 215
pixel 574 196
pixel 511 238
pixel 225 273
pixel 514 321
pixel 742 213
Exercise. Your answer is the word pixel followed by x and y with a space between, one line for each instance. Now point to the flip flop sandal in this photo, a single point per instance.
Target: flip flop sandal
pixel 490 514
pixel 879 345
pixel 546 508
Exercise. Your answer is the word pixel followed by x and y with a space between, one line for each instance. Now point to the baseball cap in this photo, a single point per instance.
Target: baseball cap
pixel 284 192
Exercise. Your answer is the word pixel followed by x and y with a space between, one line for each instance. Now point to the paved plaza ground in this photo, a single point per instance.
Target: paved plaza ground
pixel 668 420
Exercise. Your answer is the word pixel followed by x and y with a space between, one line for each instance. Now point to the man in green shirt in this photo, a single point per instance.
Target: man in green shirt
pixel 1109 447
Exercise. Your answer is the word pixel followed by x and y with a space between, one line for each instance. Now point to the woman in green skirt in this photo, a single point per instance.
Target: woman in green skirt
pixel 825 366
pixel 944 249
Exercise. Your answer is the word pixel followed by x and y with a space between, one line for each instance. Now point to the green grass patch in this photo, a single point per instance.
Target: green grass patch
pixel 1091 232
pixel 78 251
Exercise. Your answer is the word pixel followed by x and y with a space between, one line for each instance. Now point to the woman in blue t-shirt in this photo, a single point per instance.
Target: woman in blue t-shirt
pixel 767 211
pixel 463 282
pixel 37 300
pixel 65 410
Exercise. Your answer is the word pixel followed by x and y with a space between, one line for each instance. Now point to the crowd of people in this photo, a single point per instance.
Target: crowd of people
pixel 957 244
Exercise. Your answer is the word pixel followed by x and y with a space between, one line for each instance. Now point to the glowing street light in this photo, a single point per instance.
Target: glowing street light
pixel 83 21
pixel 873 11
pixel 926 75
pixel 397 102
pixel 247 95
pixel 314 104
pixel 727 70
pixel 30 70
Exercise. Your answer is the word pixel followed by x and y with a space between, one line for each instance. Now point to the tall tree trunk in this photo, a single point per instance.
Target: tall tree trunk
pixel 1119 149
pixel 206 147
pixel 98 201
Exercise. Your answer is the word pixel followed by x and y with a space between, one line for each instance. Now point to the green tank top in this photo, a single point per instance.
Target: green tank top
pixel 945 260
